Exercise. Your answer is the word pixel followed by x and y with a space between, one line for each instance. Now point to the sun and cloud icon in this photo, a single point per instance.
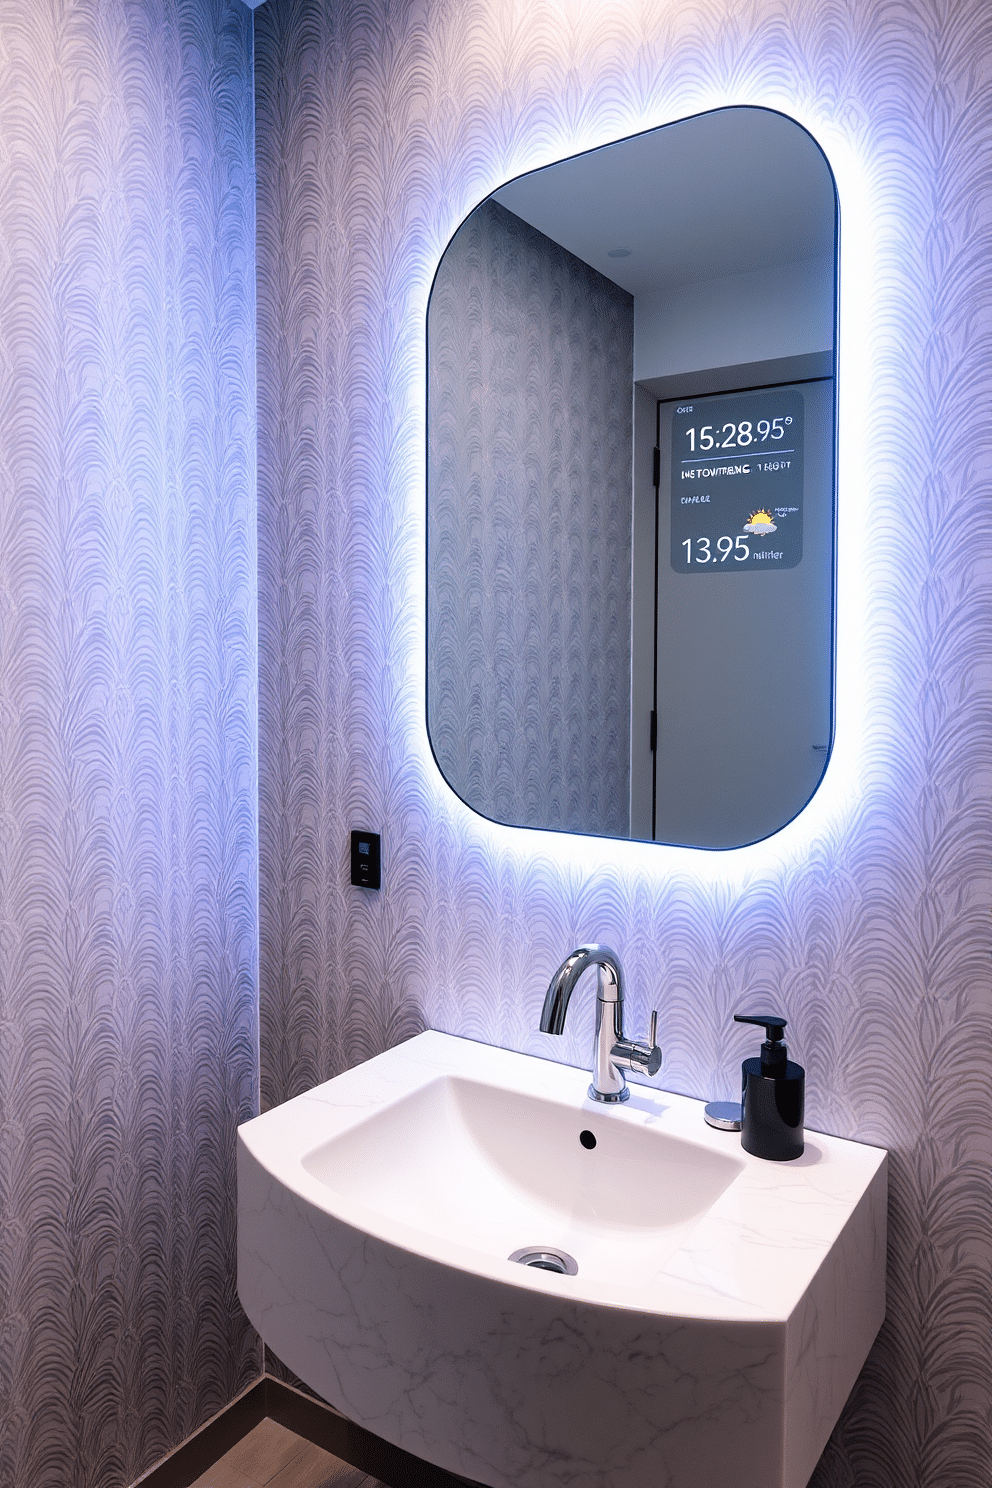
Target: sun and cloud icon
pixel 759 523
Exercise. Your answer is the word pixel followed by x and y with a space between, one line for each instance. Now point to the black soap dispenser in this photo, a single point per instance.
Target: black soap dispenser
pixel 773 1096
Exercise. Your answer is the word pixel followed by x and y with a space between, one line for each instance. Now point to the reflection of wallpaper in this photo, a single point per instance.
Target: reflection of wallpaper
pixel 380 126
pixel 529 482
pixel 127 733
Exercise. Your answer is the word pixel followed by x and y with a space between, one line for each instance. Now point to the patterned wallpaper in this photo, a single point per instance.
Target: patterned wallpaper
pixel 380 125
pixel 128 740
pixel 529 538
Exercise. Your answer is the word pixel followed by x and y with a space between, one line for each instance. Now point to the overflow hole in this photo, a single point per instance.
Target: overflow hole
pixel 587 1139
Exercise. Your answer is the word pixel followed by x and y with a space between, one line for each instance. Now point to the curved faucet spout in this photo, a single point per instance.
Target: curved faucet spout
pixel 612 1053
pixel 563 982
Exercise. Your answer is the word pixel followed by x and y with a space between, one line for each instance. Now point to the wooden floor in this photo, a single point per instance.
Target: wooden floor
pixel 270 1456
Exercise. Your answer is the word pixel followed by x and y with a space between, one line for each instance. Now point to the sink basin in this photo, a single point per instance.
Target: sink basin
pixel 690 1314
pixel 493 1169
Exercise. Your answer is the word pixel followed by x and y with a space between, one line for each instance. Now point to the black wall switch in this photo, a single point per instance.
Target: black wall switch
pixel 366 860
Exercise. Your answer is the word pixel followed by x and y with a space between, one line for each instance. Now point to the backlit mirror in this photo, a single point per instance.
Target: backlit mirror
pixel 630 506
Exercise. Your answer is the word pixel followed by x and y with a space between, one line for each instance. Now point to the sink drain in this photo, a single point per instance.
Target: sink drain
pixel 546 1258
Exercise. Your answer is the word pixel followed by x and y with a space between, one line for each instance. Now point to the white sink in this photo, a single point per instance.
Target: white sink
pixel 719 1314
pixel 477 1165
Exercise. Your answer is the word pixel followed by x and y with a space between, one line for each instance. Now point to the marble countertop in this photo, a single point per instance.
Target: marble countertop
pixel 750 1256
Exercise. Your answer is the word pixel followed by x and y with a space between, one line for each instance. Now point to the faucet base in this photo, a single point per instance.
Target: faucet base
pixel 609 1097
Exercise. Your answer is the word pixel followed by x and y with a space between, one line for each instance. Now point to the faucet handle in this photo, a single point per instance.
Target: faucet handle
pixel 635 1054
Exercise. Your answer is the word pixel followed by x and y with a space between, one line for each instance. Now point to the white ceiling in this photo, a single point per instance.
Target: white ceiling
pixel 719 194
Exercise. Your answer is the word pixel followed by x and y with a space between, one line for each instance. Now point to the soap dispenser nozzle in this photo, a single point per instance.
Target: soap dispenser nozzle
pixel 774 1053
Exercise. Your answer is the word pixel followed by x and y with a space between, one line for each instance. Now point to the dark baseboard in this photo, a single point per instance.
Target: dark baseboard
pixel 309 1418
pixel 353 1444
pixel 204 1447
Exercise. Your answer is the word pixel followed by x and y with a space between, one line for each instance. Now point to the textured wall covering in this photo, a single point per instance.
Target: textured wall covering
pixel 127 726
pixel 530 420
pixel 380 126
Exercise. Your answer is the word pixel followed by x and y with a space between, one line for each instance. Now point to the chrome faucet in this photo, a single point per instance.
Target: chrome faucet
pixel 612 1053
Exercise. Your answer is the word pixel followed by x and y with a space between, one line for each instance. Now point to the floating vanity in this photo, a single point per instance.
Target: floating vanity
pixel 720 1310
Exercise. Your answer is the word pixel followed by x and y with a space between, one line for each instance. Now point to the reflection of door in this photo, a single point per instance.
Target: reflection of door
pixel 744 611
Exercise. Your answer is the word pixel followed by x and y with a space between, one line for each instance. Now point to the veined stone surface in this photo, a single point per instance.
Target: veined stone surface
pixel 720 1313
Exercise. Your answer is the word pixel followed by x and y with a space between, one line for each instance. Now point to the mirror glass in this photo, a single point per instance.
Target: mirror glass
pixel 630 505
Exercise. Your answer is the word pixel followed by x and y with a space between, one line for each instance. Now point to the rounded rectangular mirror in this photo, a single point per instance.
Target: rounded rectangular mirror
pixel 630 505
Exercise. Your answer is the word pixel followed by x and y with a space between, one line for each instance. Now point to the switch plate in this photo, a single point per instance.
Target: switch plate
pixel 366 860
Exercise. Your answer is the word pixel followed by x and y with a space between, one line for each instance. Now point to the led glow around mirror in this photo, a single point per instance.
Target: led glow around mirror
pixel 605 657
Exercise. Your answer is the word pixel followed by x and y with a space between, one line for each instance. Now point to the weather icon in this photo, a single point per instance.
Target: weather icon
pixel 759 523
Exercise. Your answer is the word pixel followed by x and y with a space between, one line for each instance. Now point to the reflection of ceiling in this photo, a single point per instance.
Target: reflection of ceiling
pixel 718 194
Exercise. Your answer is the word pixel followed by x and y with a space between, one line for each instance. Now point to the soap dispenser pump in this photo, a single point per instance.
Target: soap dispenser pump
pixel 773 1095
